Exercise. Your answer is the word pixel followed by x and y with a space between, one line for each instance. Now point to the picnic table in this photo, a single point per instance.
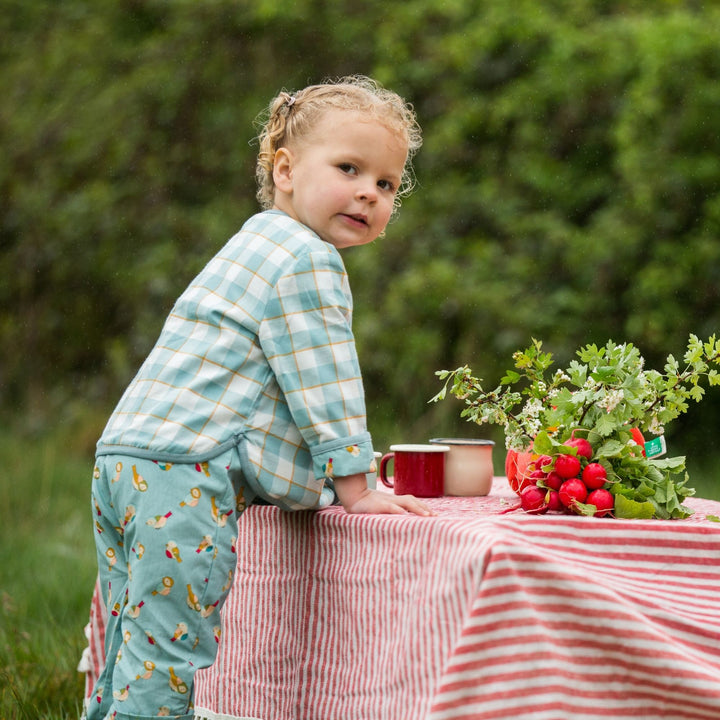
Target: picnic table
pixel 481 612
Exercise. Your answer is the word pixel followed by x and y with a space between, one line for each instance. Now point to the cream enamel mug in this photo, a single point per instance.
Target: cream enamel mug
pixel 468 466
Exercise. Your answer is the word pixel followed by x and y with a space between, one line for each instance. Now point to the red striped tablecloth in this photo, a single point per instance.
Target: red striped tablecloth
pixel 474 613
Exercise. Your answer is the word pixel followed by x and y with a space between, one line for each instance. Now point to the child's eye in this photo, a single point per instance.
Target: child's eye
pixel 348 168
pixel 386 185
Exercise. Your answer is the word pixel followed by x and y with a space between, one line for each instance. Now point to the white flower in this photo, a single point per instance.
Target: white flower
pixel 533 407
pixel 560 377
pixel 655 427
pixel 611 400
pixel 533 427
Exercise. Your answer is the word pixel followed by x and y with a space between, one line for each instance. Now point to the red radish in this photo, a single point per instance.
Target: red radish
pixel 602 500
pixel 567 466
pixel 542 461
pixel 552 498
pixel 594 476
pixel 536 475
pixel 553 481
pixel 532 499
pixel 572 491
pixel 582 446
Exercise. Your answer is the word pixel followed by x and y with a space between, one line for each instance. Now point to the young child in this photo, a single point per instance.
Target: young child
pixel 252 393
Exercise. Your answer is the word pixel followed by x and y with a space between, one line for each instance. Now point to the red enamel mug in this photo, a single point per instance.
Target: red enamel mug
pixel 417 470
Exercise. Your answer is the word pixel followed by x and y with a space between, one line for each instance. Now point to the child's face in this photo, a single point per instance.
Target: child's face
pixel 341 181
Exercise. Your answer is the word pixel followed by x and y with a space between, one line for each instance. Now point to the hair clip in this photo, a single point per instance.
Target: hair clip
pixel 290 101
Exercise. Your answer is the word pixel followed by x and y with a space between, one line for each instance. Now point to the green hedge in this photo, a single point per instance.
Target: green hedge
pixel 567 189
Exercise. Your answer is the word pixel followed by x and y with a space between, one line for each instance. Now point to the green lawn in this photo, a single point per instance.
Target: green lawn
pixel 47 571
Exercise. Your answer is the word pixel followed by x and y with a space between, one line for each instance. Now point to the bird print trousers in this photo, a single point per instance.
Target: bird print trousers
pixel 165 537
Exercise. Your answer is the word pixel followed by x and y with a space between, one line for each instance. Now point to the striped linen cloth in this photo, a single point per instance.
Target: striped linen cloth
pixel 479 612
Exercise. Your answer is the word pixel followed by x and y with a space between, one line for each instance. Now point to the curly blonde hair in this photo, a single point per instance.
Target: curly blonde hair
pixel 291 116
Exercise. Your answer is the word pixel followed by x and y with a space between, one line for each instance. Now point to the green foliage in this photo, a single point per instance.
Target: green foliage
pixel 567 189
pixel 608 389
pixel 538 190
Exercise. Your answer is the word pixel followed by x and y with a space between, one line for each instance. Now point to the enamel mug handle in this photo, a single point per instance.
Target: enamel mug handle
pixel 383 470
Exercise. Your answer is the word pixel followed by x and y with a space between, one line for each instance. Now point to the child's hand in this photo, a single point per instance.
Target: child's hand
pixel 376 502
pixel 356 497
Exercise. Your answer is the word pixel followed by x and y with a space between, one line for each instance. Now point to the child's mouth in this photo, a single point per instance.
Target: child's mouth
pixel 357 219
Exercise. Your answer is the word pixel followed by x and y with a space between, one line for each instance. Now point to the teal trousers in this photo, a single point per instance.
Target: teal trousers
pixel 165 537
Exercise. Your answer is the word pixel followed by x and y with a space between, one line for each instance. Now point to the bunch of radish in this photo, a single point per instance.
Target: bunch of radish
pixel 567 482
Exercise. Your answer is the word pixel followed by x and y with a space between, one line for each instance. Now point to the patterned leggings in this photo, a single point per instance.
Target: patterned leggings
pixel 165 536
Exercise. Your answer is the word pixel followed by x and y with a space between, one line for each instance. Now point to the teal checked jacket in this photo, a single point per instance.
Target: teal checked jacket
pixel 257 356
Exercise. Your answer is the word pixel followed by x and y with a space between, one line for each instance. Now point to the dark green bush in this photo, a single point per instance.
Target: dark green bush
pixel 567 189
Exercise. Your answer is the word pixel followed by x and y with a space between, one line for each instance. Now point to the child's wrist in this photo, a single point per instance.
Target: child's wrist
pixel 350 488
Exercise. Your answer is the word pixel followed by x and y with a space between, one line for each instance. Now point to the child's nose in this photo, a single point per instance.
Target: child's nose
pixel 367 191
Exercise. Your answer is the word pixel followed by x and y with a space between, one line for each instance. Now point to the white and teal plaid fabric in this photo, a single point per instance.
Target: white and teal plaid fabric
pixel 257 353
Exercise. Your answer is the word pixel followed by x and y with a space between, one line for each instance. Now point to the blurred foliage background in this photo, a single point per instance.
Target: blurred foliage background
pixel 568 187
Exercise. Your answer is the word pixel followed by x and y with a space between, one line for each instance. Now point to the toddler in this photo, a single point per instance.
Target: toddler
pixel 252 393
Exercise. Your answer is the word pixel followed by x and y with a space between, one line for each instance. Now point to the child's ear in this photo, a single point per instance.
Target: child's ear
pixel 283 170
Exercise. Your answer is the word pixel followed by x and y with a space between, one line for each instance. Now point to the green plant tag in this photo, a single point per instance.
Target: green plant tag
pixel 655 447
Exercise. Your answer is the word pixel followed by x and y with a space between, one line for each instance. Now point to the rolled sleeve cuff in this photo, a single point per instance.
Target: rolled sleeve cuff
pixel 346 456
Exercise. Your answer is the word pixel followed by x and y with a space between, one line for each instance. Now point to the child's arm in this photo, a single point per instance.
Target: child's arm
pixel 356 497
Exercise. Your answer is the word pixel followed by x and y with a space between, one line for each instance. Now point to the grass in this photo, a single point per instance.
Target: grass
pixel 47 571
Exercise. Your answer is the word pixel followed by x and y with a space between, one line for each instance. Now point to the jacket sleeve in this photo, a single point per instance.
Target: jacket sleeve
pixel 306 335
